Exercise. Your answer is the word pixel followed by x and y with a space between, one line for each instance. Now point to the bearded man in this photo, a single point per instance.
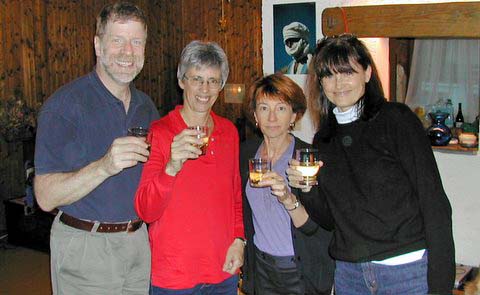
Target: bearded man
pixel 88 168
pixel 295 37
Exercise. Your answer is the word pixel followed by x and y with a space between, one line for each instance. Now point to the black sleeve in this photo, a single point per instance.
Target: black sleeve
pixel 413 148
pixel 317 208
pixel 309 227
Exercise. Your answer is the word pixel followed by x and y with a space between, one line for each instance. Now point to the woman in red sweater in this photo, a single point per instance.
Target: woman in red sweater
pixel 193 202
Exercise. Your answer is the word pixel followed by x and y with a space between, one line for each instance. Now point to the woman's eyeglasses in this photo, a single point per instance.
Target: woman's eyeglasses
pixel 198 81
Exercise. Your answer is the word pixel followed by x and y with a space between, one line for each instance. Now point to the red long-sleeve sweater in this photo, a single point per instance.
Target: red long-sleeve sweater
pixel 195 216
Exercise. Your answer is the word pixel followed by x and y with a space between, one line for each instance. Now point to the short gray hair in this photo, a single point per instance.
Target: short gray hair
pixel 203 54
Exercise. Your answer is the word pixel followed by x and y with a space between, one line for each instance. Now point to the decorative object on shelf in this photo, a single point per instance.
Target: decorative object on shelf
pixel 421 114
pixel 468 139
pixel 449 110
pixel 438 132
pixel 17 119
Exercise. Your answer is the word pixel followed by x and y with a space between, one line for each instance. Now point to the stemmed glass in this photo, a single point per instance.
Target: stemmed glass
pixel 309 164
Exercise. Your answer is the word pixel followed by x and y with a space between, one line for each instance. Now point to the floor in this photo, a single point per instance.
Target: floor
pixel 23 271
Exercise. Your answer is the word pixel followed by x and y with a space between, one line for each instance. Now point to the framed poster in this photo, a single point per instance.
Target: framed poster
pixel 280 14
pixel 294 37
pixel 289 36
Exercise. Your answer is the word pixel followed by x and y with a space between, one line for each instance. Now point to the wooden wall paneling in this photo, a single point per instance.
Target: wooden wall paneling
pixel 229 37
pixel 27 52
pixel 156 78
pixel 250 36
pixel 173 41
pixel 193 22
pixel 45 44
pixel 52 15
pixel 13 62
pixel 11 172
pixel 40 52
pixel 143 81
pixel 2 48
pixel 223 35
pixel 460 19
pixel 247 41
pixel 77 52
pixel 242 40
pixel 69 42
pixel 61 45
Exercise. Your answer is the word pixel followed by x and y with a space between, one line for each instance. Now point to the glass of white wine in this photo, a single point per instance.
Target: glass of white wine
pixel 203 136
pixel 257 168
pixel 309 164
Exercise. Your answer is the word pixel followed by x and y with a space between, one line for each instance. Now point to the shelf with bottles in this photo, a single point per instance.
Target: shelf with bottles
pixel 443 127
pixel 456 148
pixel 462 141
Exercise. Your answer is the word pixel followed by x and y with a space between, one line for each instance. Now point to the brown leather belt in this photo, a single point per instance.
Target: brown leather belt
pixel 130 226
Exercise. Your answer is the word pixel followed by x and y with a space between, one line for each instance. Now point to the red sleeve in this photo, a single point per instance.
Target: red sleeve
pixel 237 190
pixel 155 188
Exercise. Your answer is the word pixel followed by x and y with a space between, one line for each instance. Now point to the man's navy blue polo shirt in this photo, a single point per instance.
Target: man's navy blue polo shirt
pixel 76 126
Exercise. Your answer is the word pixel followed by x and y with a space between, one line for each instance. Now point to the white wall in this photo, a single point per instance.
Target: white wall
pixel 460 177
pixel 460 172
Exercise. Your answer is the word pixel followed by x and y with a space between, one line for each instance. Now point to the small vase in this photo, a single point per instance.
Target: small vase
pixel 438 132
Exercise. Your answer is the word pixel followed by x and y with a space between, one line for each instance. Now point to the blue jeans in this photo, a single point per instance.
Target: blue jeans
pixel 227 287
pixel 378 279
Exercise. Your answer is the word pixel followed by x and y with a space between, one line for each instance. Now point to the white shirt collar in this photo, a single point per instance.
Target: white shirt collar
pixel 348 116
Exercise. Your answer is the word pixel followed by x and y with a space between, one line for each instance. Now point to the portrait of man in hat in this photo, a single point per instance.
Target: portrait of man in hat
pixel 294 29
pixel 295 37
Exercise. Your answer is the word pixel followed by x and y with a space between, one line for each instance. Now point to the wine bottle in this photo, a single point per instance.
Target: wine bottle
pixel 459 118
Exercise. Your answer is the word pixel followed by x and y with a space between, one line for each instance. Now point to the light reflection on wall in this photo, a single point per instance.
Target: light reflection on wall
pixel 379 49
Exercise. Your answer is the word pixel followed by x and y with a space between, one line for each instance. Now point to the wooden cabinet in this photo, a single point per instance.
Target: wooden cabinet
pixel 28 229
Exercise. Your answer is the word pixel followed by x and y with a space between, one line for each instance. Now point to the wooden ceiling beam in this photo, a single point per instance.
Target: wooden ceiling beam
pixel 460 19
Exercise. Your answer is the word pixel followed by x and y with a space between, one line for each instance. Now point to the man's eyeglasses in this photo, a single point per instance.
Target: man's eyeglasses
pixel 198 81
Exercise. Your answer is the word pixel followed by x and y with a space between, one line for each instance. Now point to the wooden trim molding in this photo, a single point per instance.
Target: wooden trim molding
pixel 459 19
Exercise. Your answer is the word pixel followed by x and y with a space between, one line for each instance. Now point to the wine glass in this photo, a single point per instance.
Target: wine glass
pixel 257 168
pixel 203 135
pixel 140 132
pixel 309 164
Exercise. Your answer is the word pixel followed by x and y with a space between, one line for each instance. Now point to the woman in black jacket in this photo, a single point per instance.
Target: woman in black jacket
pixel 379 189
pixel 286 251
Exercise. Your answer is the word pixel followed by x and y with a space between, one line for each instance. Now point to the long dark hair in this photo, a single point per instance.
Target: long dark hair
pixel 334 55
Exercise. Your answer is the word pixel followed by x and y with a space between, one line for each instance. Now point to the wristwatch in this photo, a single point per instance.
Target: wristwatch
pixel 295 206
